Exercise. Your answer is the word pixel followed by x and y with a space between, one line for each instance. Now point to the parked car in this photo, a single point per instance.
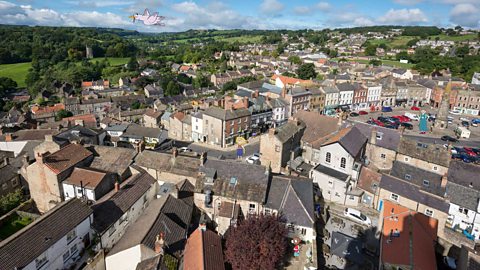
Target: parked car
pixel 465 124
pixel 357 216
pixel 415 108
pixel 455 112
pixel 473 124
pixel 448 138
pixel 476 120
pixel 412 116
pixel 407 125
pixel 378 123
pixel 354 114
pixel 253 159
pixel 450 262
pixel 184 149
pixel 387 109
pixel 363 112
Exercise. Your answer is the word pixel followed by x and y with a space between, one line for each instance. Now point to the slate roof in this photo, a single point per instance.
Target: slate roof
pixel 166 215
pixel 331 172
pixel 390 138
pixel 251 180
pixel 412 192
pixel 436 154
pixel 293 199
pixel 113 205
pixel 23 247
pixel 317 127
pixel 345 87
pixel 180 165
pixel 226 115
pixel 347 247
pixel 369 180
pixel 203 251
pixel 288 130
pixel 464 174
pixel 463 196
pixel 31 134
pixel 351 139
pixel 66 157
pixel 135 131
pixel 87 177
pixel 111 159
pixel 417 175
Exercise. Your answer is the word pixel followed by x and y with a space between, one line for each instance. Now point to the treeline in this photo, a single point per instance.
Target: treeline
pixel 407 30
pixel 50 45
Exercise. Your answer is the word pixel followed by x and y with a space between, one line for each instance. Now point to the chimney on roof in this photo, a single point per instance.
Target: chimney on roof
pixel 40 157
pixel 26 160
pixel 6 161
pixel 175 191
pixel 340 118
pixel 175 152
pixel 159 244
pixel 49 138
pixel 8 137
pixel 117 186
pixel 202 226
pixel 444 181
pixel 272 132
pixel 203 158
pixel 373 136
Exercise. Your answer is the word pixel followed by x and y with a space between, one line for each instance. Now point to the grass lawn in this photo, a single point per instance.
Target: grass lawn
pixel 455 38
pixel 114 61
pixel 384 62
pixel 241 39
pixel 17 72
pixel 397 42
pixel 13 225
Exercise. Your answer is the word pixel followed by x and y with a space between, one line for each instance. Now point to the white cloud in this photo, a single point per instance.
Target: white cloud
pixel 408 2
pixel 403 17
pixel 465 15
pixel 323 6
pixel 271 6
pixel 302 10
pixel 348 19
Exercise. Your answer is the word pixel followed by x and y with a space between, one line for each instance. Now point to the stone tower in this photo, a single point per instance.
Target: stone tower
pixel 88 52
pixel 442 114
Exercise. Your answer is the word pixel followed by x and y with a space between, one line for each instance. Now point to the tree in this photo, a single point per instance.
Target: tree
pixel 63 114
pixel 229 86
pixel 6 84
pixel 403 55
pixel 375 62
pixel 306 71
pixel 10 201
pixel 371 50
pixel 132 64
pixel 172 89
pixel 259 242
pixel 294 59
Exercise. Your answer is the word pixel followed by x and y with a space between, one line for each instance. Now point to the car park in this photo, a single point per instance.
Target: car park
pixel 357 216
pixel 363 112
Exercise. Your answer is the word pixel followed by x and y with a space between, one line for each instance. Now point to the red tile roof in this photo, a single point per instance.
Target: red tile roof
pixel 86 118
pixel 290 80
pixel 203 251
pixel 55 108
pixel 66 157
pixel 417 233
pixel 86 177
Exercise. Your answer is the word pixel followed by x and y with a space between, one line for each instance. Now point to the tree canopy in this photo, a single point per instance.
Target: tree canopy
pixel 259 242
pixel 307 71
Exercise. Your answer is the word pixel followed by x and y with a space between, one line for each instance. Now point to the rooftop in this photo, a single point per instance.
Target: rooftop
pixel 203 251
pixel 87 177
pixel 66 157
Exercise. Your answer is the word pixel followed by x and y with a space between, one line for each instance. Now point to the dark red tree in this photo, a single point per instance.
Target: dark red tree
pixel 258 242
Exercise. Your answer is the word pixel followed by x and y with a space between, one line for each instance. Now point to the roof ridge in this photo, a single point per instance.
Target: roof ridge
pixel 301 203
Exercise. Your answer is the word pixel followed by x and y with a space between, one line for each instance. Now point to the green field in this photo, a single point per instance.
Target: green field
pixel 397 42
pixel 384 62
pixel 240 39
pixel 456 38
pixel 114 61
pixel 17 72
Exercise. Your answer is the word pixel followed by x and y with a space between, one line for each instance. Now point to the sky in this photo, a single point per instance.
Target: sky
pixel 242 14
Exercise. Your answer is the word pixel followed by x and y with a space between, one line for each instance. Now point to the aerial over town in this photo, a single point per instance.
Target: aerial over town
pixel 239 135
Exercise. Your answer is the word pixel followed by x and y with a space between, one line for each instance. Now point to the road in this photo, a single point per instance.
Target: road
pixel 250 149
pixel 433 140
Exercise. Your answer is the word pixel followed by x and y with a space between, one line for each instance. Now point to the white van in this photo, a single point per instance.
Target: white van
pixel 412 116
pixel 462 132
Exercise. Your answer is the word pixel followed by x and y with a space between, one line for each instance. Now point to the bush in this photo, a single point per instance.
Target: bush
pixel 10 201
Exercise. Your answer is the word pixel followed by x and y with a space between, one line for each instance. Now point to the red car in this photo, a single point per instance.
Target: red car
pixel 415 108
pixel 469 151
pixel 378 123
pixel 362 112
pixel 401 118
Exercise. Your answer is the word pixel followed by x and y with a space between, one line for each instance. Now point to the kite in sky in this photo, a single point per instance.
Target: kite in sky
pixel 153 19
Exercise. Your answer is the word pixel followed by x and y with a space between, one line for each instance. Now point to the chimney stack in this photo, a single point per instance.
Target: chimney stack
pixel 272 132
pixel 444 181
pixel 373 136
pixel 202 226
pixel 40 157
pixel 117 186
pixel 159 244
pixel 6 161
pixel 8 137
pixel 203 158
pixel 175 152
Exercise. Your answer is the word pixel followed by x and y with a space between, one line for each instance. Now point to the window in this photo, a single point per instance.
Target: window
pixel 111 230
pixel 383 156
pixel 330 183
pixel 406 159
pixel 5 186
pixel 328 157
pixel 426 183
pixel 73 249
pixel 304 231
pixel 66 256
pixel 408 177
pixel 124 218
pixel 351 198
pixel 14 182
pixel 463 210
pixel 277 148
pixel 41 260
pixel 394 197
pixel 251 208
pixel 291 227
pixel 429 212
pixel 71 236
pixel 343 162
pixel 267 211
pixel 435 168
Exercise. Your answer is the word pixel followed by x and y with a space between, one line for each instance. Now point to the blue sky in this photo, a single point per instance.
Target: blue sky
pixel 247 14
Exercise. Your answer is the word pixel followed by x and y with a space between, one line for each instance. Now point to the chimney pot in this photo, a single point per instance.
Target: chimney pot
pixel 8 137
pixel 117 186
pixel 6 161
pixel 159 244
pixel 175 152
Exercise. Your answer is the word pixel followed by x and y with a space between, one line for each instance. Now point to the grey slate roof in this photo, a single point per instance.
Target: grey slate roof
pixel 225 115
pixel 345 87
pixel 251 180
pixel 331 172
pixel 180 165
pixel 353 141
pixel 135 130
pixel 464 174
pixel 288 130
pixel 417 175
pixel 347 247
pixel 293 199
pixel 436 154
pixel 167 215
pixel 390 138
pixel 113 205
pixel 412 192
pixel 463 196
pixel 23 247
pixel 111 159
